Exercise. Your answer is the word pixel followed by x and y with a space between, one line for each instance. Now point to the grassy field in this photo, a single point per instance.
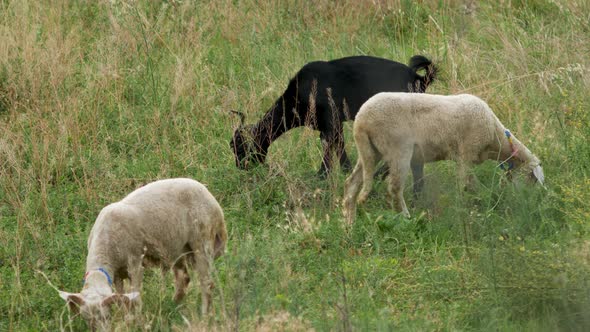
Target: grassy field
pixel 100 97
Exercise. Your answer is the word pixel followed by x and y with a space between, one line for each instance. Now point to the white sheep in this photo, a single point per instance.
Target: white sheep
pixel 173 223
pixel 407 130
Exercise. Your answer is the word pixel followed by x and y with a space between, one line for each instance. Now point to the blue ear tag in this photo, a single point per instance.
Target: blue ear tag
pixel 510 165
pixel 509 162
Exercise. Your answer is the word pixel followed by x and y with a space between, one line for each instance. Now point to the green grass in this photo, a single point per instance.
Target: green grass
pixel 98 98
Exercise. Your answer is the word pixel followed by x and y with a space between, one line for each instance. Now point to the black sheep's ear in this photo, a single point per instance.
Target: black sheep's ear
pixel 241 115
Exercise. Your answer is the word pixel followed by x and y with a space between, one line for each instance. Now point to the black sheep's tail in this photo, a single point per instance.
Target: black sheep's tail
pixel 418 62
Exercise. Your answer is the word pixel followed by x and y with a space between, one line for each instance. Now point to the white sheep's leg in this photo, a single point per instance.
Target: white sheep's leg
pixel 135 276
pixel 369 157
pixel 203 267
pixel 181 281
pixel 399 168
pixel 135 272
pixel 466 179
pixel 351 191
pixel 368 173
pixel 118 283
pixel 418 175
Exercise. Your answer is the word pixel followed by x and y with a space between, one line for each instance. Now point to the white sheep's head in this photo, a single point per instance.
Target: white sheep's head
pixel 522 158
pixel 535 171
pixel 94 305
pixel 532 168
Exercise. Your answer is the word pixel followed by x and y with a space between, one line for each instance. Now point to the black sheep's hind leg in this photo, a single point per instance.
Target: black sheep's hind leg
pixel 322 173
pixel 341 151
pixel 326 167
pixel 345 162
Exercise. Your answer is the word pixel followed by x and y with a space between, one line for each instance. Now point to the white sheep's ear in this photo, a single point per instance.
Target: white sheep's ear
pixel 133 296
pixel 74 300
pixel 72 297
pixel 538 174
pixel 64 295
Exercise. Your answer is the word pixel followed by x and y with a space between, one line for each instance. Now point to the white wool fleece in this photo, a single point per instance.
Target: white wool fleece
pixel 407 130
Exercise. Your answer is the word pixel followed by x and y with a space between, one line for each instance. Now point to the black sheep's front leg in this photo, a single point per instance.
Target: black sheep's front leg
pixel 327 147
pixel 341 151
pixel 344 161
pixel 331 141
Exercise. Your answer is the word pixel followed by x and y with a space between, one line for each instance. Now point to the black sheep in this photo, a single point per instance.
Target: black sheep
pixel 321 96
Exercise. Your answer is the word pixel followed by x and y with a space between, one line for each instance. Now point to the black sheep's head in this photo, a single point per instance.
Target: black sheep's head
pixel 246 150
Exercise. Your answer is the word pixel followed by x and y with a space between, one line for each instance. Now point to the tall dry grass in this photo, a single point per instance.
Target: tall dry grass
pixel 98 98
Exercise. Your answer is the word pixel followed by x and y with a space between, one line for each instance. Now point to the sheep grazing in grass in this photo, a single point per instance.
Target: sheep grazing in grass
pixel 173 223
pixel 407 130
pixel 323 95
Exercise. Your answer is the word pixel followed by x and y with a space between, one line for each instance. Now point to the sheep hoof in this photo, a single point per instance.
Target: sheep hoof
pixel 346 168
pixel 179 296
pixel 350 217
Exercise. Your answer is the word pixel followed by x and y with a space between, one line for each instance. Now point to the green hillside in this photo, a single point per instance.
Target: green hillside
pixel 100 97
